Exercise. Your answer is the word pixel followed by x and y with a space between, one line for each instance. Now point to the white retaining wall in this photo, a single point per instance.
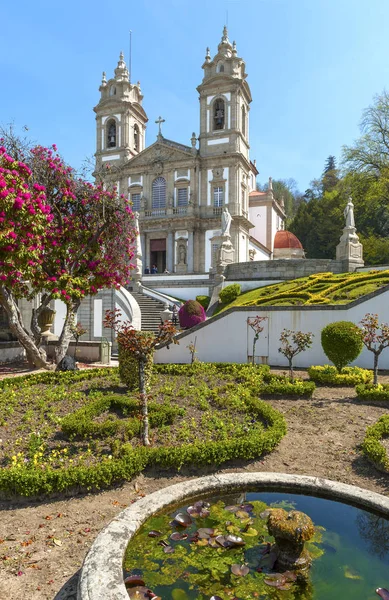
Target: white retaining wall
pixel 229 339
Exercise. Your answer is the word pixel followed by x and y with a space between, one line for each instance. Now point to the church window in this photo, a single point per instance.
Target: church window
pixel 159 193
pixel 112 90
pixel 218 114
pixel 182 196
pixel 218 196
pixel 220 68
pixel 135 199
pixel 244 121
pixel 111 130
pixel 136 137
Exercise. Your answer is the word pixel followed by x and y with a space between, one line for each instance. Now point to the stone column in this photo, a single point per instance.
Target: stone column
pixel 143 247
pixel 190 252
pixel 170 252
pixel 146 256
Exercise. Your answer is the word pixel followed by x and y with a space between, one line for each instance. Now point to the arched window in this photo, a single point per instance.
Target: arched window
pixel 218 114
pixel 111 134
pixel 159 193
pixel 220 67
pixel 112 90
pixel 136 137
pixel 244 121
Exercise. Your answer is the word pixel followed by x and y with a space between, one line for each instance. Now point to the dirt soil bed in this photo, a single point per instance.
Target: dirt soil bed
pixel 42 546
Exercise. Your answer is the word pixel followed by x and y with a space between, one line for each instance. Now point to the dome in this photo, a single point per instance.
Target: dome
pixel 286 239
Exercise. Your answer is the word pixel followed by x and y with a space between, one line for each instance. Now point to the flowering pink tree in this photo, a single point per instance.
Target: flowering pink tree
pixel 61 235
pixel 256 325
pixel 292 343
pixel 375 336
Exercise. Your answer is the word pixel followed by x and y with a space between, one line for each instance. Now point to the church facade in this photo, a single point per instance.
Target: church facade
pixel 180 191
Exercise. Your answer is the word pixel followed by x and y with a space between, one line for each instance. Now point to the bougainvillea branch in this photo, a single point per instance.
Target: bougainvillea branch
pixel 142 347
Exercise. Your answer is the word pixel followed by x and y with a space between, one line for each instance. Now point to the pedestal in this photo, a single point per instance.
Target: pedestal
pixel 350 249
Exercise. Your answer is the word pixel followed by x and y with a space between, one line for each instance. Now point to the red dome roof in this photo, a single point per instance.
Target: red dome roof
pixel 286 239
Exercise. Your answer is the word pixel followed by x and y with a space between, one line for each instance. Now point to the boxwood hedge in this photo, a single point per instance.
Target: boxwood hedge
pixel 372 447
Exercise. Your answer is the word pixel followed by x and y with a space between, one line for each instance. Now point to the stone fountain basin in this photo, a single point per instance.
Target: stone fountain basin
pixel 101 575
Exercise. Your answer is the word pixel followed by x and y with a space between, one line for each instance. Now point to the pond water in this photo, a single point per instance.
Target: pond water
pixel 350 552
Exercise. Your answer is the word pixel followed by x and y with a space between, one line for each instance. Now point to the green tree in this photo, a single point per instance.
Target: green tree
pixel 370 153
pixel 330 177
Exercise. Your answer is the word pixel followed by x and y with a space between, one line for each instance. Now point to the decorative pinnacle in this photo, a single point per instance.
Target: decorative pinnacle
pixel 208 55
pixel 270 183
pixel 234 47
pixel 225 39
pixel 104 79
pixel 121 55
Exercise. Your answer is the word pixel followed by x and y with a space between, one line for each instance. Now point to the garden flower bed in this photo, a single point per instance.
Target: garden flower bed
pixel 81 430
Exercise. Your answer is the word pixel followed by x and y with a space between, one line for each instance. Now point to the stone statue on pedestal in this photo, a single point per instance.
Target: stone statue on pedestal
pixel 350 248
pixel 349 214
pixel 226 222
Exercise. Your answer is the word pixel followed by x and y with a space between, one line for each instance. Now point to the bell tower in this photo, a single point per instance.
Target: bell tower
pixel 120 119
pixel 224 102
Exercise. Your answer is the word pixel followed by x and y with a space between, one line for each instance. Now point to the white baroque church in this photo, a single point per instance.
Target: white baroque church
pixel 180 191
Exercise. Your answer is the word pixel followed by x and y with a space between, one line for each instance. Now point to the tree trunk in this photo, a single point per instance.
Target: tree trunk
pixel 34 325
pixel 66 334
pixel 35 356
pixel 291 372
pixel 375 368
pixel 254 343
pixel 143 399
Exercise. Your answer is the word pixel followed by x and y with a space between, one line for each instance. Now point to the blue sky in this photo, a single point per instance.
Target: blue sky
pixel 313 66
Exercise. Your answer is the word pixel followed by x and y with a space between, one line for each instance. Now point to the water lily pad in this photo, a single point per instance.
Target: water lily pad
pixel 134 580
pixel 239 570
pixel 383 593
pixel 179 595
pixel 140 593
pixel 234 540
pixel 168 549
pixel 153 533
pixel 242 514
pixel 182 519
pixel 176 536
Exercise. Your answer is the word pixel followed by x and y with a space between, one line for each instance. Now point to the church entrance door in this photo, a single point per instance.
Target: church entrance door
pixel 158 254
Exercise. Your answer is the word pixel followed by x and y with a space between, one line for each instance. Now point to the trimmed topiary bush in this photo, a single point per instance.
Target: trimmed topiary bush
pixel 279 385
pixel 329 375
pixel 230 293
pixel 190 314
pixel 204 301
pixel 342 343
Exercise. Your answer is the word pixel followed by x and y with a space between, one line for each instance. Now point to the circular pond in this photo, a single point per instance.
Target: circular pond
pixel 349 549
pixel 222 549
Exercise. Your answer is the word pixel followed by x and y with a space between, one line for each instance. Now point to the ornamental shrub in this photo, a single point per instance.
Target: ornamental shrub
pixel 190 314
pixel 342 343
pixel 204 301
pixel 230 293
pixel 372 447
pixel 329 375
pixel 129 367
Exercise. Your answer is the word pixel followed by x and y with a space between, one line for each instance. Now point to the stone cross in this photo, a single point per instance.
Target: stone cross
pixel 159 121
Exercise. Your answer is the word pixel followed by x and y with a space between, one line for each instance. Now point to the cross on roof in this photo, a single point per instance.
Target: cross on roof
pixel 159 121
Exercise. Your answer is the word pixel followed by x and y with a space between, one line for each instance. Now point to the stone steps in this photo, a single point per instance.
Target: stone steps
pixel 150 310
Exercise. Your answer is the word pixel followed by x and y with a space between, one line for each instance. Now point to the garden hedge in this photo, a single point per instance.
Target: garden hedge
pixel 230 293
pixel 369 391
pixel 279 385
pixel 329 375
pixel 26 480
pixel 372 448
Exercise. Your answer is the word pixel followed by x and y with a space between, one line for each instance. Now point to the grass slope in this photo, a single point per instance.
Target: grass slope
pixel 320 288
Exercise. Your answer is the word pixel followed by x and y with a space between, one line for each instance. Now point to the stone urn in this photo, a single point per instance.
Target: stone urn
pixel 290 531
pixel 45 321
